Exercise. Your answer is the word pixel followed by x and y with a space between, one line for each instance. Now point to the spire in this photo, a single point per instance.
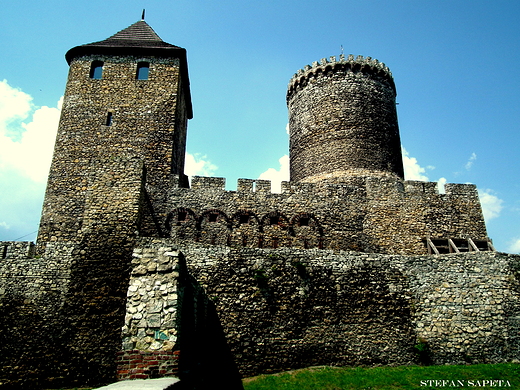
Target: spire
pixel 137 39
pixel 142 16
pixel 139 31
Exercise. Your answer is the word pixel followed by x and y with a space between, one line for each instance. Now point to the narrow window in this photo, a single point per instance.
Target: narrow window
pixel 274 220
pixel 96 70
pixel 142 70
pixel 182 216
pixel 304 221
pixel 109 119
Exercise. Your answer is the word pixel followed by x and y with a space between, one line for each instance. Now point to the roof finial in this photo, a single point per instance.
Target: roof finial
pixel 142 16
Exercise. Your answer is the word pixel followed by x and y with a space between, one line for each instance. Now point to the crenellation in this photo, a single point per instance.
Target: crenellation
pixel 213 183
pixel 376 213
pixel 263 186
pixel 469 190
pixel 16 249
pixel 414 186
pixel 245 185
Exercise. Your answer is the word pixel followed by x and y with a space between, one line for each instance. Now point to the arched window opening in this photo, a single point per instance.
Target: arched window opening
pixel 143 69
pixel 304 221
pixel 244 218
pixel 96 70
pixel 109 119
pixel 274 220
pixel 182 216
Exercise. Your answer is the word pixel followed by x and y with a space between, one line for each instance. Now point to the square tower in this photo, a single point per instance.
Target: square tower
pixel 127 98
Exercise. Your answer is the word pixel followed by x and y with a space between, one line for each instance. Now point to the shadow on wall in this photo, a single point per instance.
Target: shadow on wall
pixel 29 346
pixel 205 356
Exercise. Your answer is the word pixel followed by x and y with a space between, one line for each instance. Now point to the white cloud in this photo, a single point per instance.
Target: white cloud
pixel 491 204
pixel 27 135
pixel 277 176
pixel 15 107
pixel 198 165
pixel 412 170
pixel 515 246
pixel 471 160
pixel 26 148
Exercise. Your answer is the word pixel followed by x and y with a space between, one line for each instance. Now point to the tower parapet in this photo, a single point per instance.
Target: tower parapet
pixel 357 64
pixel 343 121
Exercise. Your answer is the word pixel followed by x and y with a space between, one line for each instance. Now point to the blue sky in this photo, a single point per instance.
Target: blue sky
pixel 454 64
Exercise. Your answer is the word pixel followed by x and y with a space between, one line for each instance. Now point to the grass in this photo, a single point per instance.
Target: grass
pixel 391 378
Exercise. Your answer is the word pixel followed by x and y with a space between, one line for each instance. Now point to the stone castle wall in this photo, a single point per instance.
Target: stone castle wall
pixel 63 309
pixel 369 215
pixel 282 309
pixel 263 309
pixel 16 249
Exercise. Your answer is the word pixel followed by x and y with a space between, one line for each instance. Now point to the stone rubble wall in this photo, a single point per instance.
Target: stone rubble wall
pixel 370 214
pixel 33 291
pixel 167 312
pixel 34 277
pixel 65 306
pixel 148 123
pixel 282 309
pixel 151 319
pixel 466 305
pixel 16 249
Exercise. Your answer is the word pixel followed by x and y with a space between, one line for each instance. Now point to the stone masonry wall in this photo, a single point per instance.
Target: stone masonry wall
pixel 370 215
pixel 32 294
pixel 63 310
pixel 16 249
pixel 168 315
pixel 283 308
pixel 148 119
pixel 343 120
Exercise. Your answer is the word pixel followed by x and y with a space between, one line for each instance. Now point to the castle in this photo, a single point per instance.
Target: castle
pixel 138 274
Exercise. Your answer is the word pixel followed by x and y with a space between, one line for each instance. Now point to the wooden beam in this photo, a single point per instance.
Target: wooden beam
pixel 430 245
pixel 452 245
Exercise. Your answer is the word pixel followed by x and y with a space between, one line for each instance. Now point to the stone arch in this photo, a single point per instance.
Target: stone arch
pixel 307 231
pixel 181 223
pixel 275 230
pixel 245 229
pixel 214 227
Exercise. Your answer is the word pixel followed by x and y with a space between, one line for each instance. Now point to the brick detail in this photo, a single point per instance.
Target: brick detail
pixel 137 364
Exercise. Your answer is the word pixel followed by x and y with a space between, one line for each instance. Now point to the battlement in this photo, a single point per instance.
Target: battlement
pixel 371 184
pixel 16 249
pixel 362 64
pixel 368 214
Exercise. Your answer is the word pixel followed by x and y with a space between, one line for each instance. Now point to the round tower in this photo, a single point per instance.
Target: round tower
pixel 343 121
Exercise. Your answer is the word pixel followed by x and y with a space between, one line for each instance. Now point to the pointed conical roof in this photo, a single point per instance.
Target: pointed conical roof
pixel 139 40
